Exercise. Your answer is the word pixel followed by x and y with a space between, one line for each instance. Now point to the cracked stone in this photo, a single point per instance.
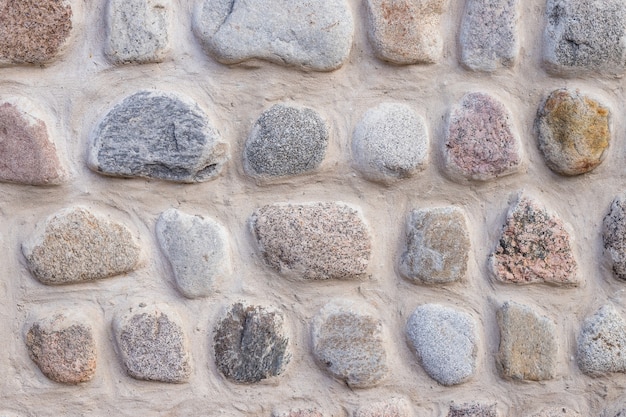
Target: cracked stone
pixel 602 343
pixel 473 410
pixel 614 236
pixel 394 407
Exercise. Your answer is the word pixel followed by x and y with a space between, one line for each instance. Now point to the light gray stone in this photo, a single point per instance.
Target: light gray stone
pixel 602 343
pixel 473 410
pixel 614 236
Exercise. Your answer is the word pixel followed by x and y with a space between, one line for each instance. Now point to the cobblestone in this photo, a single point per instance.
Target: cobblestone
pixel 614 236
pixel 473 410
pixel 394 407
pixel 602 343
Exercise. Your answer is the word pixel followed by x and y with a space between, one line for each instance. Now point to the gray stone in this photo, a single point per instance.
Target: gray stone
pixel 445 342
pixel 473 410
pixel 314 35
pixel 390 142
pixel 75 245
pixel 602 343
pixel 556 412
pixel 154 134
pixel 614 236
pixel 394 407
pixel 251 343
pixel 615 410
pixel 285 141
pixel 196 248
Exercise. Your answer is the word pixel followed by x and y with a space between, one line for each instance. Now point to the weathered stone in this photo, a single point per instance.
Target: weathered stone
pixel 348 342
pixel 614 236
pixel 390 142
pixel 298 413
pixel 313 241
pixel 616 410
pixel 473 410
pixel 602 343
pixel 394 407
pixel 480 142
pixel 437 246
pixel 154 134
pixel 284 141
pixel 445 342
pixel 573 132
pixel 534 247
pixel 197 250
pixel 251 343
pixel 406 31
pixel 152 345
pixel 75 245
pixel 315 35
pixel 556 412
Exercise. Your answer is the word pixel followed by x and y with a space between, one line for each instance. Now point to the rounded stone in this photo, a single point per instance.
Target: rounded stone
pixel 602 343
pixel 394 407
pixel 614 236
pixel 473 410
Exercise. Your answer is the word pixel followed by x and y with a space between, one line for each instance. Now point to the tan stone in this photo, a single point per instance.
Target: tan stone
pixel 394 407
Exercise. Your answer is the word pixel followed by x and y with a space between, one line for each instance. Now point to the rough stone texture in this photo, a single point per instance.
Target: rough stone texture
pixel 251 343
pixel 556 412
pixel 298 413
pixel 534 247
pixel 573 132
pixel 616 410
pixel 152 345
pixel 138 30
pixel 574 43
pixel 197 249
pixel 285 141
pixel 480 143
pixel 390 142
pixel 75 245
pixel 314 35
pixel 602 343
pixel 473 410
pixel 348 342
pixel 63 349
pixel 406 31
pixel 445 342
pixel 437 246
pixel 614 236
pixel 313 241
pixel 154 134
pixel 394 407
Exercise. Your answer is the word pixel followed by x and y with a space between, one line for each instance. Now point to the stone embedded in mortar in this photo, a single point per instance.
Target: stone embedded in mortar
pixel 153 134
pixel 616 410
pixel 298 413
pixel 75 245
pixel 251 343
pixel 556 412
pixel 614 236
pixel 394 407
pixel 473 410
pixel 314 35
pixel 313 241
pixel 602 343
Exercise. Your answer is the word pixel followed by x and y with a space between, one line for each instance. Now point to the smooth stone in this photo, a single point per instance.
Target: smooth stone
pixel 614 236
pixel 602 343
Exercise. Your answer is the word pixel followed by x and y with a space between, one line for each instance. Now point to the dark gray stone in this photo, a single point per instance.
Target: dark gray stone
pixel 473 410
pixel 614 236
pixel 602 343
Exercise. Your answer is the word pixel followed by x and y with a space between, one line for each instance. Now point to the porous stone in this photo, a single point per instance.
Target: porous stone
pixel 406 31
pixel 390 142
pixel 534 247
pixel 573 132
pixel 348 343
pixel 75 245
pixel 473 410
pixel 197 250
pixel 298 413
pixel 480 141
pixel 153 134
pixel 316 36
pixel 556 412
pixel 251 343
pixel 285 140
pixel 614 236
pixel 437 246
pixel 394 407
pixel 313 241
pixel 152 345
pixel 602 343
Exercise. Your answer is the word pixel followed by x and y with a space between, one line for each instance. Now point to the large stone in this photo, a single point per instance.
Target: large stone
pixel 394 407
pixel 473 410
pixel 75 245
pixel 556 412
pixel 313 241
pixel 314 35
pixel 614 236
pixel 154 134
pixel 602 343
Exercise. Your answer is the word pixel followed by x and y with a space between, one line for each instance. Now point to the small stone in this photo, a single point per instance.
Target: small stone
pixel 394 407
pixel 157 135
pixel 406 31
pixel 602 343
pixel 480 143
pixel 390 143
pixel 437 246
pixel 298 413
pixel 473 410
pixel 314 35
pixel 285 141
pixel 556 412
pixel 197 250
pixel 152 344
pixel 313 241
pixel 75 245
pixel 573 132
pixel 614 236
pixel 534 247
pixel 251 343
pixel 348 342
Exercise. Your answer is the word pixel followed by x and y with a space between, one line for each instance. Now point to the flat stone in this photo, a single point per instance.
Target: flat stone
pixel 138 30
pixel 298 413
pixel 390 142
pixel 75 245
pixel 574 43
pixel 406 31
pixel 473 410
pixel 313 241
pixel 153 134
pixel 534 247
pixel 437 246
pixel 394 407
pixel 480 141
pixel 152 345
pixel 348 343
pixel 285 141
pixel 602 343
pixel 556 412
pixel 315 36
pixel 63 348
pixel 614 236
pixel 574 132
pixel 251 343
pixel 197 250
